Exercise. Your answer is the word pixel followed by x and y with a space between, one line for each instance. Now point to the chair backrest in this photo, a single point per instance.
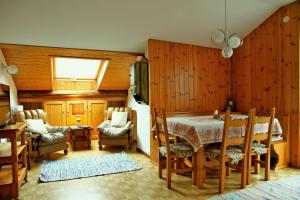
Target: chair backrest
pixel 131 113
pixel 263 121
pixel 31 114
pixel 161 129
pixel 242 124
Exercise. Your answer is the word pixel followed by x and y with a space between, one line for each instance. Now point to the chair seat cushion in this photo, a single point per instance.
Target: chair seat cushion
pixel 181 150
pixel 259 149
pixel 52 137
pixel 234 153
pixel 58 140
pixel 106 128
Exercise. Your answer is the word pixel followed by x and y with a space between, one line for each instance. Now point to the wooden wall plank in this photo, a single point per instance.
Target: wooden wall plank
pixel 265 70
pixel 34 65
pixel 187 78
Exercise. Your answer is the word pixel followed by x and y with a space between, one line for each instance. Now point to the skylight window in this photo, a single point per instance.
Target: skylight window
pixel 76 68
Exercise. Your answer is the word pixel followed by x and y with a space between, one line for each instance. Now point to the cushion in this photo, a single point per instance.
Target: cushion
pixel 53 137
pixel 54 134
pixel 181 150
pixel 36 126
pixel 234 153
pixel 106 128
pixel 259 149
pixel 119 119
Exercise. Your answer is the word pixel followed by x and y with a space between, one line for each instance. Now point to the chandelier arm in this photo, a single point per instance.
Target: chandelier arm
pixel 226 31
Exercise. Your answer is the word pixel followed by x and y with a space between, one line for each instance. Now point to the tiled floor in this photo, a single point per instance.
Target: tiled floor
pixel 142 184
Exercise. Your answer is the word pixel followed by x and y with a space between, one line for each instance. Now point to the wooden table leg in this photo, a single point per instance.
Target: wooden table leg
pixel 200 167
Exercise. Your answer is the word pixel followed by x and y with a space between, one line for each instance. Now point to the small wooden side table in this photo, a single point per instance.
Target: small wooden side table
pixel 12 177
pixel 81 137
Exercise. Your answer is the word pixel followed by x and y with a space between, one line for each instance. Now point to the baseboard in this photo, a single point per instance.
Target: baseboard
pixel 142 152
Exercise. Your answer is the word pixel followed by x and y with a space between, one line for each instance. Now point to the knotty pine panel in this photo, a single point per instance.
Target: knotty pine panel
pixel 187 78
pixel 265 70
pixel 35 71
pixel 75 85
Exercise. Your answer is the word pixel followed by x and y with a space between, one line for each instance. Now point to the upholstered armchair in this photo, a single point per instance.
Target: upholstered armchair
pixel 117 135
pixel 42 138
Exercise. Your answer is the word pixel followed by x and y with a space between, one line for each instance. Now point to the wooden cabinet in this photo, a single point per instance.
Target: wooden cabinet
pixel 76 113
pixel 13 176
pixel 79 112
pixel 96 110
pixel 56 112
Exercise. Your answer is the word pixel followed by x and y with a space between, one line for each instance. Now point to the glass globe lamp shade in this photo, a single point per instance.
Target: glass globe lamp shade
pixel 227 52
pixel 11 69
pixel 234 42
pixel 218 36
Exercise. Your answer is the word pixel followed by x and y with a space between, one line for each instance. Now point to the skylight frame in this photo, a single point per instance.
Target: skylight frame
pixel 95 78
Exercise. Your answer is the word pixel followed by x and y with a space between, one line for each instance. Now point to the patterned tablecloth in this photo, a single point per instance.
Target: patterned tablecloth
pixel 200 130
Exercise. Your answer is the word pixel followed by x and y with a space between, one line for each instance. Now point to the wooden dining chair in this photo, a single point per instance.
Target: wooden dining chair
pixel 260 144
pixel 233 151
pixel 172 151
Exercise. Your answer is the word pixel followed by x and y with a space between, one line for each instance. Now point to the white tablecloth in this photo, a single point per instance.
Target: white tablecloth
pixel 200 130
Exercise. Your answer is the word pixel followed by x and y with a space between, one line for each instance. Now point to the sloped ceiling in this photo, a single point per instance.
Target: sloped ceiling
pixel 35 70
pixel 120 25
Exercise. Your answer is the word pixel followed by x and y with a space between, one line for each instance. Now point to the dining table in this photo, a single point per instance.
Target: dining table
pixel 199 131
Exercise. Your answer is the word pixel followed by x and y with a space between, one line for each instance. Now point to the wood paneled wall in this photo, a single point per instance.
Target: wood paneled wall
pixel 74 85
pixel 35 70
pixel 265 70
pixel 187 78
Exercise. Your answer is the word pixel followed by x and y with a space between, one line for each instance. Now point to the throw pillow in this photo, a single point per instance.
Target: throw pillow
pixel 36 126
pixel 119 119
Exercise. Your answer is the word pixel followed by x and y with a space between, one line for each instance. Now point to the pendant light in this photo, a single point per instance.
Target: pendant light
pixel 222 39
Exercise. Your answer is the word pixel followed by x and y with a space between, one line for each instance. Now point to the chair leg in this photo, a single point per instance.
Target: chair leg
pixel 267 165
pixel 160 166
pixel 244 173
pixel 66 151
pixel 37 157
pixel 99 142
pixel 28 161
pixel 169 168
pixel 228 171
pixel 257 164
pixel 194 172
pixel 222 176
pixel 249 164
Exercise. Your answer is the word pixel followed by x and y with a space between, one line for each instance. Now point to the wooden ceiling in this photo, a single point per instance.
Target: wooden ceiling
pixel 35 70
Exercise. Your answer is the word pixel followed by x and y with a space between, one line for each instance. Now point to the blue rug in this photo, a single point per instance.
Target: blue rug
pixel 59 170
pixel 287 189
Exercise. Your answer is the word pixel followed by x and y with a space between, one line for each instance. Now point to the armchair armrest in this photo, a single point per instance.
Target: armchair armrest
pixel 32 135
pixel 35 135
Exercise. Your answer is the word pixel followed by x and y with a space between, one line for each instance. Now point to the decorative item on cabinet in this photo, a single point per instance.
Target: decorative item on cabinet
pixel 230 105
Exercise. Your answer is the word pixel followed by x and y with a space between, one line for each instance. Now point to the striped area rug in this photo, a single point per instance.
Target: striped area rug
pixel 58 170
pixel 285 189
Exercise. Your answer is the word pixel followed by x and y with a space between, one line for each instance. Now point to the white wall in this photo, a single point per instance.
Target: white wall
pixel 143 124
pixel 7 79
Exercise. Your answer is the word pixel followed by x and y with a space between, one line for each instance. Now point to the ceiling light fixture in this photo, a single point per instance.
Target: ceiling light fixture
pixel 222 39
pixel 10 69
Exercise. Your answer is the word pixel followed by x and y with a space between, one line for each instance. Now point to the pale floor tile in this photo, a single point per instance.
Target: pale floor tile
pixel 143 184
